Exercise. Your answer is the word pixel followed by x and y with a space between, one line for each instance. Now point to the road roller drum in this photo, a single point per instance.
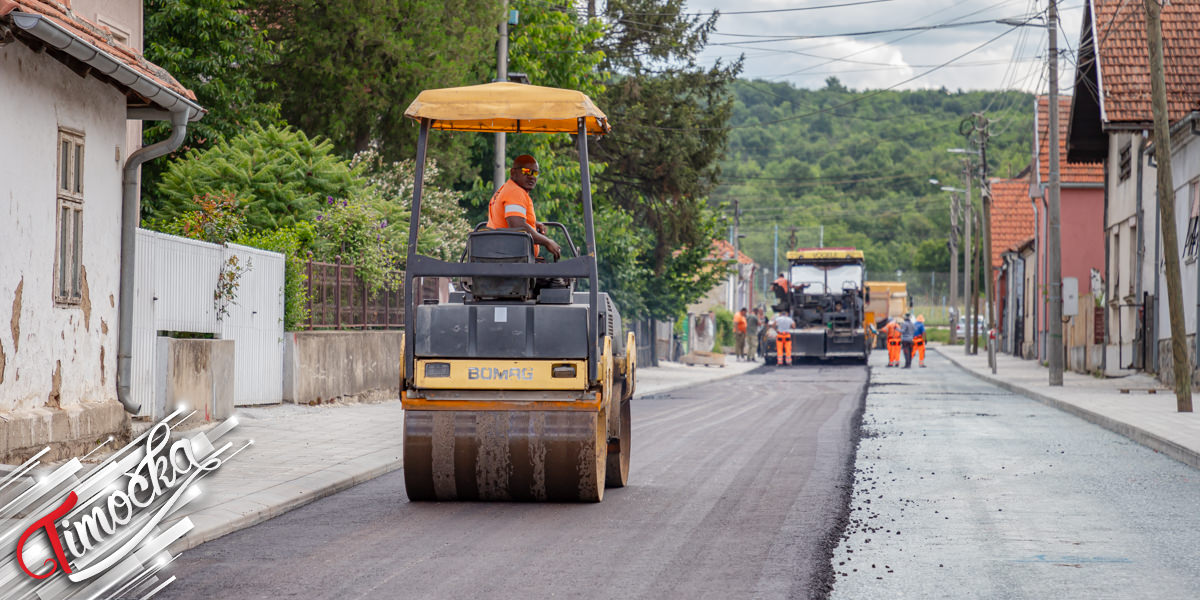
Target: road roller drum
pixel 505 455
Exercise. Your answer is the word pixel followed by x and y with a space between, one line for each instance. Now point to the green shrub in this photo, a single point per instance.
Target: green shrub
pixel 724 327
pixel 280 175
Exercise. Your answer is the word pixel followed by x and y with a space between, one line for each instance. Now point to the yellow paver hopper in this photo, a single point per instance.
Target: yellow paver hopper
pixel 518 387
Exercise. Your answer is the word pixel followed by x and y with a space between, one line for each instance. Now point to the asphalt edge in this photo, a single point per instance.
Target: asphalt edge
pixel 823 586
pixel 1150 440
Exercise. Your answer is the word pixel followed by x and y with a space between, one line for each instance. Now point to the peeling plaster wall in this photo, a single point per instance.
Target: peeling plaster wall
pixel 37 96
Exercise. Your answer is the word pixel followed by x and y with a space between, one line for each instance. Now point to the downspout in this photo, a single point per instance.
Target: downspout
pixel 130 218
pixel 1141 242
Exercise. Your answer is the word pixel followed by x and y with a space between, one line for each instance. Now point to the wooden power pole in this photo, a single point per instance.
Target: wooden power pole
pixel 1166 208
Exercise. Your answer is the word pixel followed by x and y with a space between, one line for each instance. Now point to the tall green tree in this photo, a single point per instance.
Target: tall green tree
pixel 213 49
pixel 347 70
pixel 670 115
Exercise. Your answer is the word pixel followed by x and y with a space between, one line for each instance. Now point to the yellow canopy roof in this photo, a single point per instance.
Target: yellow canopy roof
pixel 511 107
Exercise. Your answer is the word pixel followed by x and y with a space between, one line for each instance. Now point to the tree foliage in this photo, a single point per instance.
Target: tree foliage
pixel 347 70
pixel 669 114
pixel 281 176
pixel 212 48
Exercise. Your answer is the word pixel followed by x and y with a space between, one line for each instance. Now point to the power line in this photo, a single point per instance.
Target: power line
pixel 855 100
pixel 815 36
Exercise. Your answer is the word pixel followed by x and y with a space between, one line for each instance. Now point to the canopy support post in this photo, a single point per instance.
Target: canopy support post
pixel 414 223
pixel 590 237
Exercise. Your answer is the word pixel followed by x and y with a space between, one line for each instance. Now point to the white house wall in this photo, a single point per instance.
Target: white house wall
pixel 1185 167
pixel 79 343
pixel 1121 237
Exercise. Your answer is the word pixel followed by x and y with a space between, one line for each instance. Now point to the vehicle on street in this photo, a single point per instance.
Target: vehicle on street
pixel 518 387
pixel 961 328
pixel 826 301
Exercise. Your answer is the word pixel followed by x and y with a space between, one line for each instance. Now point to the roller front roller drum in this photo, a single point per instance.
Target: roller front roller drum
pixel 531 455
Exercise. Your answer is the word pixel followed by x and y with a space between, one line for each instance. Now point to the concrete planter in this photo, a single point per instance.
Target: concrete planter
pixel 198 374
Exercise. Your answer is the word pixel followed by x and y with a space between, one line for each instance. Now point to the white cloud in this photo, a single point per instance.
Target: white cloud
pixel 1016 60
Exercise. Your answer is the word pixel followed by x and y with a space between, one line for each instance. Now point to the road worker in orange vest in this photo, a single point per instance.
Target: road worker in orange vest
pixel 892 329
pixel 919 339
pixel 739 333
pixel 783 339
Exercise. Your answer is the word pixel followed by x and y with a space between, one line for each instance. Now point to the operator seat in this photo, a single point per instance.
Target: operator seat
pixel 500 246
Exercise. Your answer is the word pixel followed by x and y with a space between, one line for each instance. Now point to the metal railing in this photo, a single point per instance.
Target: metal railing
pixel 339 299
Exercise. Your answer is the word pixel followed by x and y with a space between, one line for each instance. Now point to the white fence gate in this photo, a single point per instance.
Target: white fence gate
pixel 175 281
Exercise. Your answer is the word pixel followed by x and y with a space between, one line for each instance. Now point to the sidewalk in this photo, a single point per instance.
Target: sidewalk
pixel 1148 419
pixel 305 453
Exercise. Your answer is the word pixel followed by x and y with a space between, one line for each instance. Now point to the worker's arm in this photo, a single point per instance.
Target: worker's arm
pixel 538 236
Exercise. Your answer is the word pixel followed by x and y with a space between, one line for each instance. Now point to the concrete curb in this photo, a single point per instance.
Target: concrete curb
pixel 1150 440
pixel 223 519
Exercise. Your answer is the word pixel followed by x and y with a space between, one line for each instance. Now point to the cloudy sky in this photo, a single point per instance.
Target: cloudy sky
pixel 899 59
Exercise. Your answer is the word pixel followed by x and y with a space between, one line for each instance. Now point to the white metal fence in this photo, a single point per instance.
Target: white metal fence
pixel 176 278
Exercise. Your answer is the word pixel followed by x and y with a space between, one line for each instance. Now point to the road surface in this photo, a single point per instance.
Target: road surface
pixel 964 490
pixel 737 489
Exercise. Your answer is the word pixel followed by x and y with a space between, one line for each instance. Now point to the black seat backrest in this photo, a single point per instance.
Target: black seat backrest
pixel 500 246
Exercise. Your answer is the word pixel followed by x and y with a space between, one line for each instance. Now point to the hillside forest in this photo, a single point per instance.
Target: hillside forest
pixel 859 163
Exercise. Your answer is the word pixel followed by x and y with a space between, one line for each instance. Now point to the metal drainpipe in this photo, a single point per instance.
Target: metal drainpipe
pixel 1141 243
pixel 130 217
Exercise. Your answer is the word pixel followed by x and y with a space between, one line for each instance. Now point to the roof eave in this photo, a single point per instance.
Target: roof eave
pixel 56 36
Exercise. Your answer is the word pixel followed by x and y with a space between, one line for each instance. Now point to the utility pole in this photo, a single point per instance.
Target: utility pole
pixel 954 268
pixel 775 264
pixel 501 75
pixel 1166 208
pixel 968 281
pixel 821 239
pixel 989 284
pixel 737 253
pixel 979 262
pixel 1054 341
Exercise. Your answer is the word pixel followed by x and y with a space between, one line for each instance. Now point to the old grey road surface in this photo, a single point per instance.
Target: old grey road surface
pixel 964 490
pixel 737 490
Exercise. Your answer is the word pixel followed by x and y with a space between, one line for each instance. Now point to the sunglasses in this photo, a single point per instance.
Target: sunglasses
pixel 528 171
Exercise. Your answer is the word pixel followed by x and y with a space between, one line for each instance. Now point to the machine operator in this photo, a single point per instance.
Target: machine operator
pixel 512 208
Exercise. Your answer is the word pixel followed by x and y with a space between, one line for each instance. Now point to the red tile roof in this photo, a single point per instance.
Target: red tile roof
pixel 1067 172
pixel 1119 27
pixel 98 35
pixel 723 250
pixel 1012 215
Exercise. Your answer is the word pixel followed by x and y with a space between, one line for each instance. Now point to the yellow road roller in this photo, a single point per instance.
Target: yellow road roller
pixel 518 386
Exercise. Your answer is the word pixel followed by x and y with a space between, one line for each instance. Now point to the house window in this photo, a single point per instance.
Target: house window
pixel 68 249
pixel 1124 162
pixel 1190 243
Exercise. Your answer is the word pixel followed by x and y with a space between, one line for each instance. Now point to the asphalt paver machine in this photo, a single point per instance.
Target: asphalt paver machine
pixel 517 387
